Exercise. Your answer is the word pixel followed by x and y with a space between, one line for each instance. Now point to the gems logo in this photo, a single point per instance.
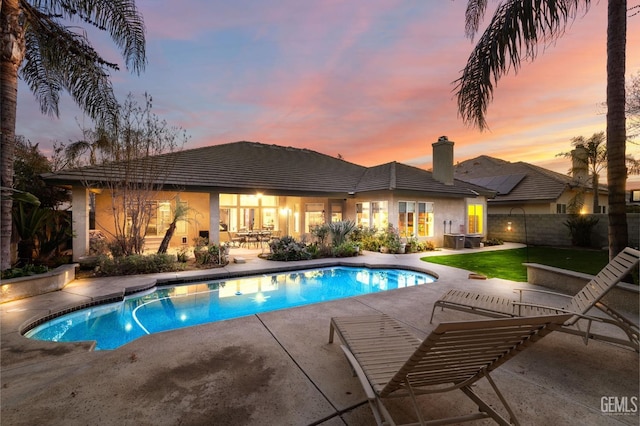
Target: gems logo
pixel 619 405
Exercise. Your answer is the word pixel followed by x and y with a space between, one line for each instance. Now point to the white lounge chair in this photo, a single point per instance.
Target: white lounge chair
pixel 579 305
pixel 391 362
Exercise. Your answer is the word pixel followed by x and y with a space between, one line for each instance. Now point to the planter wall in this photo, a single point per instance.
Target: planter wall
pixel 19 288
pixel 623 296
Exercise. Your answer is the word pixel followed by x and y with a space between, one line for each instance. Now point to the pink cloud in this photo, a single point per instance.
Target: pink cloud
pixel 368 80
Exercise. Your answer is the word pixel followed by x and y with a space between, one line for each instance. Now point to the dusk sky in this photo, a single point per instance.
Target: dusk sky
pixel 368 80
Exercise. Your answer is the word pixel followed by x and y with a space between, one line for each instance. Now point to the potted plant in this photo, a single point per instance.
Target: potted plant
pixel 390 240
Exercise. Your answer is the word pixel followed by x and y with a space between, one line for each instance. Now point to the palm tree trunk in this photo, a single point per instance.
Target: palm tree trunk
pixel 616 131
pixel 595 184
pixel 164 245
pixel 11 54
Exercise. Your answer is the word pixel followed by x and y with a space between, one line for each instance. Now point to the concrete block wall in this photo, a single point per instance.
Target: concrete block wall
pixel 549 229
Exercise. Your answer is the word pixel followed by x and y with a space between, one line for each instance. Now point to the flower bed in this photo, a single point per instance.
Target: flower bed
pixel 21 287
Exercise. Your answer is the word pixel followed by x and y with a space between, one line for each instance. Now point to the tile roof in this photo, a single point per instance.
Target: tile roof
pixel 522 181
pixel 251 166
pixel 399 176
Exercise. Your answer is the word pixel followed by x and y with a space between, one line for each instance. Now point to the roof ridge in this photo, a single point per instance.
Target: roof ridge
pixel 554 175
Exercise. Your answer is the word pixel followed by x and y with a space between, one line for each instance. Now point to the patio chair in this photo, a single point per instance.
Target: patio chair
pixel 235 240
pixel 579 305
pixel 391 362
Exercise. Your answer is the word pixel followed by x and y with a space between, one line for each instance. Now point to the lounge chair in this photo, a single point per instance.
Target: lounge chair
pixel 579 305
pixel 391 362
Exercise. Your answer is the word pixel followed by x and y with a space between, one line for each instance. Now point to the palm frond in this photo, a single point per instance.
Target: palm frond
pixel 473 16
pixel 57 59
pixel 76 149
pixel 120 18
pixel 513 35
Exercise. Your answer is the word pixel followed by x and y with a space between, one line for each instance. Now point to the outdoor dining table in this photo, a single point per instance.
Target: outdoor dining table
pixel 256 237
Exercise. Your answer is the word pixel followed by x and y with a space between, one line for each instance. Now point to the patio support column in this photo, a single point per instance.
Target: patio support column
pixel 80 226
pixel 214 217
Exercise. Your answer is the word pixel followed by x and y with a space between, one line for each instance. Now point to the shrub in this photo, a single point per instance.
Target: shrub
pixel 346 249
pixel 340 231
pixel 412 245
pixel 580 228
pixel 137 264
pixel 391 239
pixel 182 255
pixel 426 246
pixel 212 255
pixel 287 249
pixel 493 242
pixel 317 251
pixel 115 248
pixel 27 270
pixel 321 232
pixel 368 238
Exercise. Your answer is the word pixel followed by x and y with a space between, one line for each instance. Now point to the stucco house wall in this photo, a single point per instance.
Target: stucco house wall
pixel 452 212
pixel 294 177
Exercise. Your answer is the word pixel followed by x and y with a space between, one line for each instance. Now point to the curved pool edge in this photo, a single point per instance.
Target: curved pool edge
pixel 278 266
pixel 119 296
pixel 211 274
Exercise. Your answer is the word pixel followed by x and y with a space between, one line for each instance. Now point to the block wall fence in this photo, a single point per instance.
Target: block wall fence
pixel 549 229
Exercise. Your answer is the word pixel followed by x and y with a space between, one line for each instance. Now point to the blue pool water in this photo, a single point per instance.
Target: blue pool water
pixel 115 324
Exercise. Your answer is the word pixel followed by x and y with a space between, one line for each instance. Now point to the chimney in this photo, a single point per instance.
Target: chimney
pixel 443 160
pixel 580 164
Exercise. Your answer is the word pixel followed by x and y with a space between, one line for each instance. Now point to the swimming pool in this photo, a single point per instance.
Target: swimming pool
pixel 115 324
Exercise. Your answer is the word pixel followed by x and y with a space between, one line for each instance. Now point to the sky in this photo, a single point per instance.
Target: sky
pixel 368 80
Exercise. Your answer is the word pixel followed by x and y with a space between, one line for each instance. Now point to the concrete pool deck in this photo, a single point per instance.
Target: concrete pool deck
pixel 277 368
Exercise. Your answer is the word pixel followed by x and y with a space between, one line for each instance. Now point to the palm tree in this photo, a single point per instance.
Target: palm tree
pixel 592 157
pixel 180 212
pixel 93 143
pixel 513 35
pixel 51 57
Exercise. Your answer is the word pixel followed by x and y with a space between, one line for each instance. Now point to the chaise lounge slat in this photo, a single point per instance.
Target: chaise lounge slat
pixel 589 297
pixel 453 356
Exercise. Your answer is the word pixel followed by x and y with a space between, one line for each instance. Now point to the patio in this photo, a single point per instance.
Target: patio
pixel 277 368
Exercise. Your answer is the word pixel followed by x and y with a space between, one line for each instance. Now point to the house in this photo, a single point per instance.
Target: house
pixel 250 185
pixel 525 186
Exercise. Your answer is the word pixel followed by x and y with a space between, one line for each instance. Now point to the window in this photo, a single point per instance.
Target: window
pixel 561 208
pixel 475 216
pixel 248 211
pixel 160 218
pixel 363 215
pixel 313 215
pixel 415 219
pixel 247 218
pixel 379 215
pixel 425 219
pixel 602 209
pixel 406 218
pixel 374 214
pixel 269 218
pixel 336 212
pixel 228 219
pixel 181 225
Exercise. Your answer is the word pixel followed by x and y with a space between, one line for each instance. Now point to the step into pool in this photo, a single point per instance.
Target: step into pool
pixel 166 308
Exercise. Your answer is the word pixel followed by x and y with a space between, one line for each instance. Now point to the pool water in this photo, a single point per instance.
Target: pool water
pixel 115 324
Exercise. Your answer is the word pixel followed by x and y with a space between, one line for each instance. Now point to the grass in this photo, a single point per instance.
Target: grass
pixel 507 264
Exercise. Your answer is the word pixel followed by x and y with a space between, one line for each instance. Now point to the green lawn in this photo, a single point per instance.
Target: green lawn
pixel 507 264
